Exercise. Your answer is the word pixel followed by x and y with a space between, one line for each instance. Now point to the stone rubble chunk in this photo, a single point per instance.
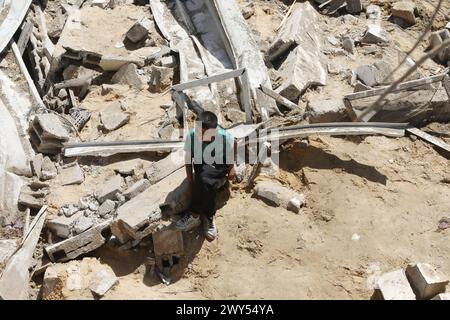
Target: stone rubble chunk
pixel 82 224
pixel 348 44
pixel 161 79
pixel 128 75
pixel 425 280
pixel 72 175
pixel 62 226
pixel 375 74
pixel 50 283
pixel 168 242
pixel 106 208
pixel 375 34
pixel 279 195
pixel 37 165
pixel 109 189
pixel 163 168
pixel 113 117
pixel 404 10
pixel 373 12
pixel 140 30
pixel 69 210
pixel 322 111
pixel 395 286
pixel 102 282
pixel 248 11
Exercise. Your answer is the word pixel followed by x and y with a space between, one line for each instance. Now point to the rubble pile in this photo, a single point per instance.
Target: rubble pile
pixel 107 71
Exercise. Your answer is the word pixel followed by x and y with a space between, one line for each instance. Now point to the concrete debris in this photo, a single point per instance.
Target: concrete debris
pixel 33 195
pixel 140 30
pixel 277 195
pixel 248 11
pixel 395 286
pixel 36 165
pixel 48 134
pixel 71 175
pixel 109 189
pixel 161 79
pixel 128 168
pixel 48 169
pixel 375 34
pixel 128 75
pixel 100 3
pixel 74 278
pixel 76 72
pixel 330 110
pixel 374 75
pixel 102 282
pixel 168 62
pixel 136 188
pixel 83 243
pixel 114 117
pixel 69 210
pixel 373 12
pixel 62 226
pixel 163 168
pixel 106 208
pixel 354 6
pixel 51 283
pixel 303 67
pixel 348 44
pixel 404 10
pixel 82 224
pixel 142 215
pixel 436 39
pixel 7 248
pixel 425 280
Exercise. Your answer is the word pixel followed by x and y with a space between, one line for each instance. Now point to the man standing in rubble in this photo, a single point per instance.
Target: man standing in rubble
pixel 209 161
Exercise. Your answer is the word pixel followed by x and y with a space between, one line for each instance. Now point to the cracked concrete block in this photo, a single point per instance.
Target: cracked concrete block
pixel 322 111
pixel 113 117
pixel 48 169
pixel 106 208
pixel 395 286
pixel 83 243
pixel 62 226
pixel 404 10
pixel 425 280
pixel 375 34
pixel 109 189
pixel 128 75
pixel 51 282
pixel 82 224
pixel 162 168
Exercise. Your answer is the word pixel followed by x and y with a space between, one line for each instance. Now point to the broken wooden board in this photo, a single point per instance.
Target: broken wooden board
pixel 116 147
pixel 429 138
pixel 14 281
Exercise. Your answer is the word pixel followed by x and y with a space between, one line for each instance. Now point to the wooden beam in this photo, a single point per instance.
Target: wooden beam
pixel 401 87
pixel 117 147
pixel 246 100
pixel 25 35
pixel 208 80
pixel 279 98
pixel 429 138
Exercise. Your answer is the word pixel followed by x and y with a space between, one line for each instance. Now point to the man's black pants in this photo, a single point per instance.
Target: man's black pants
pixel 208 180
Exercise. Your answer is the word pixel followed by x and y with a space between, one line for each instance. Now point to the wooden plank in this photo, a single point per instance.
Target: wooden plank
pixel 400 87
pixel 109 148
pixel 208 80
pixel 25 36
pixel 429 138
pixel 14 281
pixel 279 98
pixel 246 100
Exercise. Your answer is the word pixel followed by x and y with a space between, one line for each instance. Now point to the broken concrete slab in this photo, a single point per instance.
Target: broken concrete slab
pixel 62 226
pixel 329 110
pixel 375 34
pixel 142 215
pixel 71 175
pixel 375 74
pixel 162 168
pixel 51 282
pixel 348 44
pixel 83 243
pixel 47 133
pixel 7 248
pixel 425 280
pixel 404 10
pixel 278 195
pixel 395 286
pixel 36 165
pixel 109 189
pixel 106 208
pixel 33 197
pixel 113 117
pixel 168 241
pixel 136 188
pixel 128 75
pixel 140 30
pixel 103 281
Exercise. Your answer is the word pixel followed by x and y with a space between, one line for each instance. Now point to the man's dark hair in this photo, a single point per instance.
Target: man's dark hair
pixel 208 120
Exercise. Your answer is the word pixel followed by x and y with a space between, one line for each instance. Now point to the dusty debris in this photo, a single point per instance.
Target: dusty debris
pixel 395 286
pixel 114 117
pixel 128 74
pixel 404 10
pixel 102 282
pixel 425 280
pixel 110 189
pixel 48 134
pixel 278 195
pixel 71 174
pixel 7 248
pixel 140 30
pixel 330 110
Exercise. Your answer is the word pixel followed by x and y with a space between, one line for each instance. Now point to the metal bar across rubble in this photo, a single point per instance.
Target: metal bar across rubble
pixel 116 147
pixel 208 80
